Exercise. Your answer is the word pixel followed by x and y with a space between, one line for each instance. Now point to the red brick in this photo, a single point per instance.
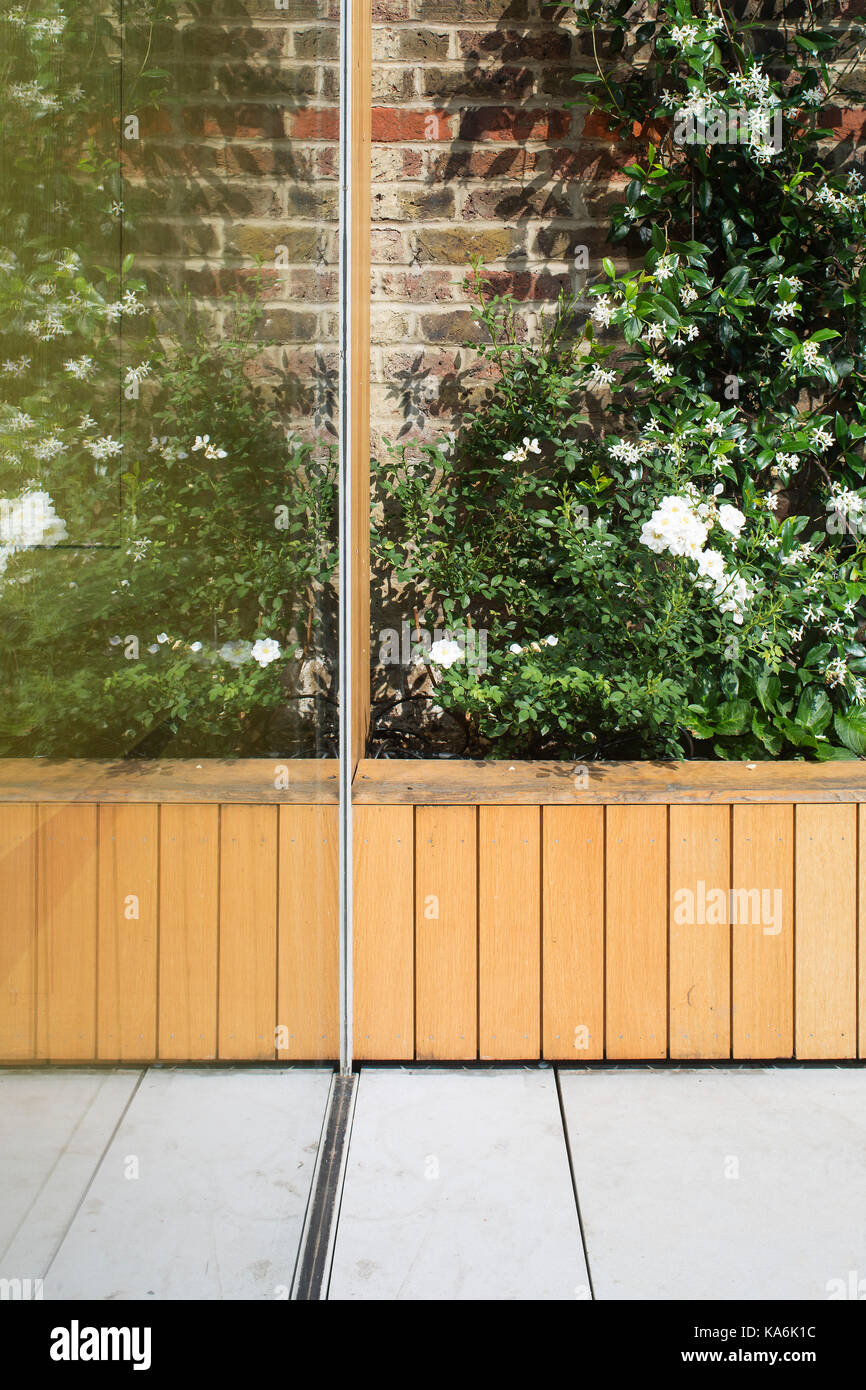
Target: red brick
pixel 847 124
pixel 510 124
pixel 315 123
pixel 392 123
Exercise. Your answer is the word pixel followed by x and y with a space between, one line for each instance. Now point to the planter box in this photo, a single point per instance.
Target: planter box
pixel 185 911
pixel 179 911
pixel 639 911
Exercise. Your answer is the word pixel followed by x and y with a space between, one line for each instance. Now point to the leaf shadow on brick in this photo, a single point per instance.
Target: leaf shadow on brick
pixel 230 174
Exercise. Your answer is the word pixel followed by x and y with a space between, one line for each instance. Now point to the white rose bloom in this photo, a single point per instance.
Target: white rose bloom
pixel 552 641
pixel 236 652
pixel 265 650
pixel 515 648
pixel 712 564
pixel 445 653
pixel 731 519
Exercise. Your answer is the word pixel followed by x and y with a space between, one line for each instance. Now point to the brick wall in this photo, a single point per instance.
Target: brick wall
pixel 475 152
pixel 234 176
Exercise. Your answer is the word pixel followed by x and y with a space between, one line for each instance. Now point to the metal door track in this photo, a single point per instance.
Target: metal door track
pixel 313 1269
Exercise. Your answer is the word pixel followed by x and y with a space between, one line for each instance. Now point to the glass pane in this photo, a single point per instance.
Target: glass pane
pixel 169 530
pixel 168 315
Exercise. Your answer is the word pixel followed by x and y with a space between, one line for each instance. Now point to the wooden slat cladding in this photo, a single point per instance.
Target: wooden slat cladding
pixel 636 924
pixel 700 932
pixel 573 927
pixel 825 978
pixel 141 932
pixel 201 931
pixel 384 936
pixel 18 932
pixel 762 914
pixel 446 933
pixel 509 932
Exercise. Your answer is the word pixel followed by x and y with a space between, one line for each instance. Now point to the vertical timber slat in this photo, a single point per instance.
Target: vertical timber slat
pixel 446 942
pixel 188 932
pixel 126 981
pixel 247 933
pixel 66 933
pixel 762 985
pixel 826 932
pixel 308 935
pixel 18 933
pixel 700 932
pixel 384 956
pixel 509 932
pixel 573 932
pixel 636 931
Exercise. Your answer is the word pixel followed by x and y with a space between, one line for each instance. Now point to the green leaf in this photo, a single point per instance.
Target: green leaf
pixel 851 728
pixel 814 711
pixel 768 688
pixel 732 717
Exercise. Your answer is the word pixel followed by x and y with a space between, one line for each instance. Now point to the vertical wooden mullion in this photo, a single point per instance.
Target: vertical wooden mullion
pixel 360 152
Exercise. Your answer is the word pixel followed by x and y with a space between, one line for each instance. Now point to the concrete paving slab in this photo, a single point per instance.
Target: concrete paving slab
pixel 721 1184
pixel 202 1192
pixel 458 1187
pixel 54 1128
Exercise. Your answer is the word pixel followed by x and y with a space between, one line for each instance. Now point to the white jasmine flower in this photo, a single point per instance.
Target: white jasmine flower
pixel 603 311
pixel 80 368
pixel 821 440
pixel 659 371
pixel 136 375
pixel 600 377
pixel 665 267
pixel 688 295
pixel 625 452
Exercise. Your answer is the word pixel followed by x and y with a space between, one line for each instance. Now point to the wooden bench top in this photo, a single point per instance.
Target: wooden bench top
pixel 432 781
pixel 453 782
